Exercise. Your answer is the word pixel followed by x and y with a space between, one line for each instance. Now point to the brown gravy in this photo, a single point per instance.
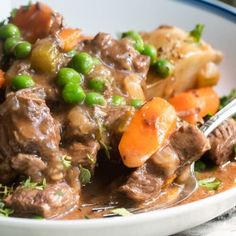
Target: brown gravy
pixel 97 192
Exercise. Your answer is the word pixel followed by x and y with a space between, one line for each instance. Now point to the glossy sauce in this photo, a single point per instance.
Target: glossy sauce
pixel 98 195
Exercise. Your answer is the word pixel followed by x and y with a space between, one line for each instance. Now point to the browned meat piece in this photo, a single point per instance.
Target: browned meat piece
pixel 29 165
pixel 7 174
pixel 84 154
pixel 143 183
pixel 72 178
pixel 189 143
pixel 223 141
pixel 119 54
pixel 26 126
pixel 186 145
pixel 53 201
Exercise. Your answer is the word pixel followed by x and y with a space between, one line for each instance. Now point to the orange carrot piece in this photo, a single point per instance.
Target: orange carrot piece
pixel 151 125
pixel 193 105
pixel 70 38
pixel 2 79
pixel 34 22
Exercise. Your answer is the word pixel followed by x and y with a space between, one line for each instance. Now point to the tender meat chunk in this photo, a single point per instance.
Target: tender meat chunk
pixel 119 54
pixel 143 183
pixel 7 174
pixel 186 145
pixel 26 126
pixel 189 143
pixel 54 200
pixel 30 165
pixel 84 154
pixel 223 141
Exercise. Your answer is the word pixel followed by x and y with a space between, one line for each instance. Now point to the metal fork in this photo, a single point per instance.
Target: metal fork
pixel 206 128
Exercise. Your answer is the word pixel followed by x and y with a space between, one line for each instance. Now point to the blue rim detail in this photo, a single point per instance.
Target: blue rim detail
pixel 217 7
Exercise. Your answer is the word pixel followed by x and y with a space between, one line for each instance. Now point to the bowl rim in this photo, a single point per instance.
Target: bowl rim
pixel 219 8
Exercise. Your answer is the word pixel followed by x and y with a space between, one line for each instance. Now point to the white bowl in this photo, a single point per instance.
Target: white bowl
pixel 114 17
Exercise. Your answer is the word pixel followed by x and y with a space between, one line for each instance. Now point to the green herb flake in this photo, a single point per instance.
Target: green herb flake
pixel 211 183
pixel 26 7
pixel 5 211
pixel 5 190
pixel 29 184
pixel 59 193
pixel 196 33
pixel 85 175
pixel 234 149
pixel 91 159
pixel 121 212
pixel 86 217
pixel 66 161
pixel 70 53
pixel 106 149
pixel 38 217
pixel 199 166
pixel 2 23
pixel 227 99
pixel 13 12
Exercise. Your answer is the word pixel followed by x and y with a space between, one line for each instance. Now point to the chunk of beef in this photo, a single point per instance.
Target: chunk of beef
pixel 223 141
pixel 186 145
pixel 26 126
pixel 53 201
pixel 29 165
pixel 143 183
pixel 189 143
pixel 118 54
pixel 84 154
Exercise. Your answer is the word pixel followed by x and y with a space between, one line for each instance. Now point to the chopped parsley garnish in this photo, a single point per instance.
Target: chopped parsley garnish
pixel 106 149
pixel 211 183
pixel 4 211
pixel 29 184
pixel 66 161
pixel 85 175
pixel 91 159
pixel 38 217
pixel 5 191
pixel 196 33
pixel 121 212
pixel 2 23
pixel 13 12
pixel 227 99
pixel 86 217
pixel 26 7
pixel 199 166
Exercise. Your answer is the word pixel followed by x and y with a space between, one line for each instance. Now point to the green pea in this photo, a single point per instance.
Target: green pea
pixel 22 81
pixel 68 75
pixel 97 84
pixel 136 103
pixel 73 93
pixel 93 98
pixel 118 100
pixel 83 63
pixel 9 45
pixel 22 49
pixel 150 50
pixel 136 37
pixel 163 68
pixel 8 31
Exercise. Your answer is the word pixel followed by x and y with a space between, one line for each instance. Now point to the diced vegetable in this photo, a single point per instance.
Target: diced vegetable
pixel 150 50
pixel 73 93
pixel 118 100
pixel 97 84
pixel 163 68
pixel 70 38
pixel 8 31
pixel 196 33
pixel 137 39
pixel 149 128
pixel 2 79
pixel 209 75
pixel 22 81
pixel 136 103
pixel 82 62
pixel 9 45
pixel 45 56
pixel 68 75
pixel 211 183
pixel 22 49
pixel 193 105
pixel 93 98
pixel 34 22
pixel 85 175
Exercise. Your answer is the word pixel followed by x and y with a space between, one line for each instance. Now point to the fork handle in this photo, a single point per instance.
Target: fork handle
pixel 219 118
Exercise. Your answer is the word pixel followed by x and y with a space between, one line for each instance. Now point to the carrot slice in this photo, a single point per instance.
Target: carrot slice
pixel 70 38
pixel 193 105
pixel 34 21
pixel 2 79
pixel 151 125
